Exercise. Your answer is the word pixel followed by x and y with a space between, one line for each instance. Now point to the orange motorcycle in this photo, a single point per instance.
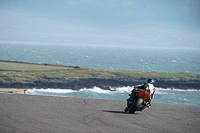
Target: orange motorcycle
pixel 139 102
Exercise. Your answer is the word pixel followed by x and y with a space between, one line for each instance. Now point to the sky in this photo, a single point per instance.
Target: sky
pixel 137 23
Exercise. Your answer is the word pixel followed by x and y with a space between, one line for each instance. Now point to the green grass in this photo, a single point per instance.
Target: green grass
pixel 21 66
pixel 28 72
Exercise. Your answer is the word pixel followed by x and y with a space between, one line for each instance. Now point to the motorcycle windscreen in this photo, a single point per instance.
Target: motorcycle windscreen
pixel 144 94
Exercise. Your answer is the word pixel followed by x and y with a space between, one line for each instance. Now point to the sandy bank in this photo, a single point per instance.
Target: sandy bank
pixel 28 113
pixel 13 90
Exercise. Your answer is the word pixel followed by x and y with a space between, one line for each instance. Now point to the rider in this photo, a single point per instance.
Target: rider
pixel 148 85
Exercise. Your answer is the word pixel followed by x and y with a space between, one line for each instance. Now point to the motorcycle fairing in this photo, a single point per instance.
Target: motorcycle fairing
pixel 144 94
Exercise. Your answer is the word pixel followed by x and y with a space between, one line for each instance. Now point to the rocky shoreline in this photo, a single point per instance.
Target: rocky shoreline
pixel 79 83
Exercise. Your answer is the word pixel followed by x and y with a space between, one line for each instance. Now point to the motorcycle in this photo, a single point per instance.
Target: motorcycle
pixel 139 102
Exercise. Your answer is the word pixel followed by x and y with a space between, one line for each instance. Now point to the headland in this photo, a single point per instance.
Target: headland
pixel 24 75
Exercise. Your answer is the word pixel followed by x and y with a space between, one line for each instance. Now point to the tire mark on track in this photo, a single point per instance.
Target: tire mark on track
pixel 95 119
pixel 85 101
pixel 150 114
pixel 3 101
pixel 193 119
pixel 113 123
pixel 193 111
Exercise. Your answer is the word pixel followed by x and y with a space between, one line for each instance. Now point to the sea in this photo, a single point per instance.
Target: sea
pixel 169 60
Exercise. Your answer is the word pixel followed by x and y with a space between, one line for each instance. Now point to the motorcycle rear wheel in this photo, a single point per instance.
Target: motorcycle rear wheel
pixel 136 106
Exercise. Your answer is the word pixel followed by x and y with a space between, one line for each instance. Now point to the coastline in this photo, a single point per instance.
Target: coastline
pixel 24 75
pixel 79 83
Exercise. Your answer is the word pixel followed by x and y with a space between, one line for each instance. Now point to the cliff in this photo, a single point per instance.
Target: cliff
pixel 78 83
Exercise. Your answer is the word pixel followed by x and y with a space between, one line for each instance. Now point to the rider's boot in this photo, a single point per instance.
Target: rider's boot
pixel 149 106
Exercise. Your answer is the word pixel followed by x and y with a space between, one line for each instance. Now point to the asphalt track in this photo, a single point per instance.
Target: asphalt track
pixel 46 114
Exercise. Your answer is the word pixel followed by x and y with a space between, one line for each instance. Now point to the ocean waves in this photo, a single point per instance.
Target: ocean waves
pixel 178 96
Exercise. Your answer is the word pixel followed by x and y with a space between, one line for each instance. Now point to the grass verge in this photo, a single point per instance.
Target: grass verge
pixel 13 71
